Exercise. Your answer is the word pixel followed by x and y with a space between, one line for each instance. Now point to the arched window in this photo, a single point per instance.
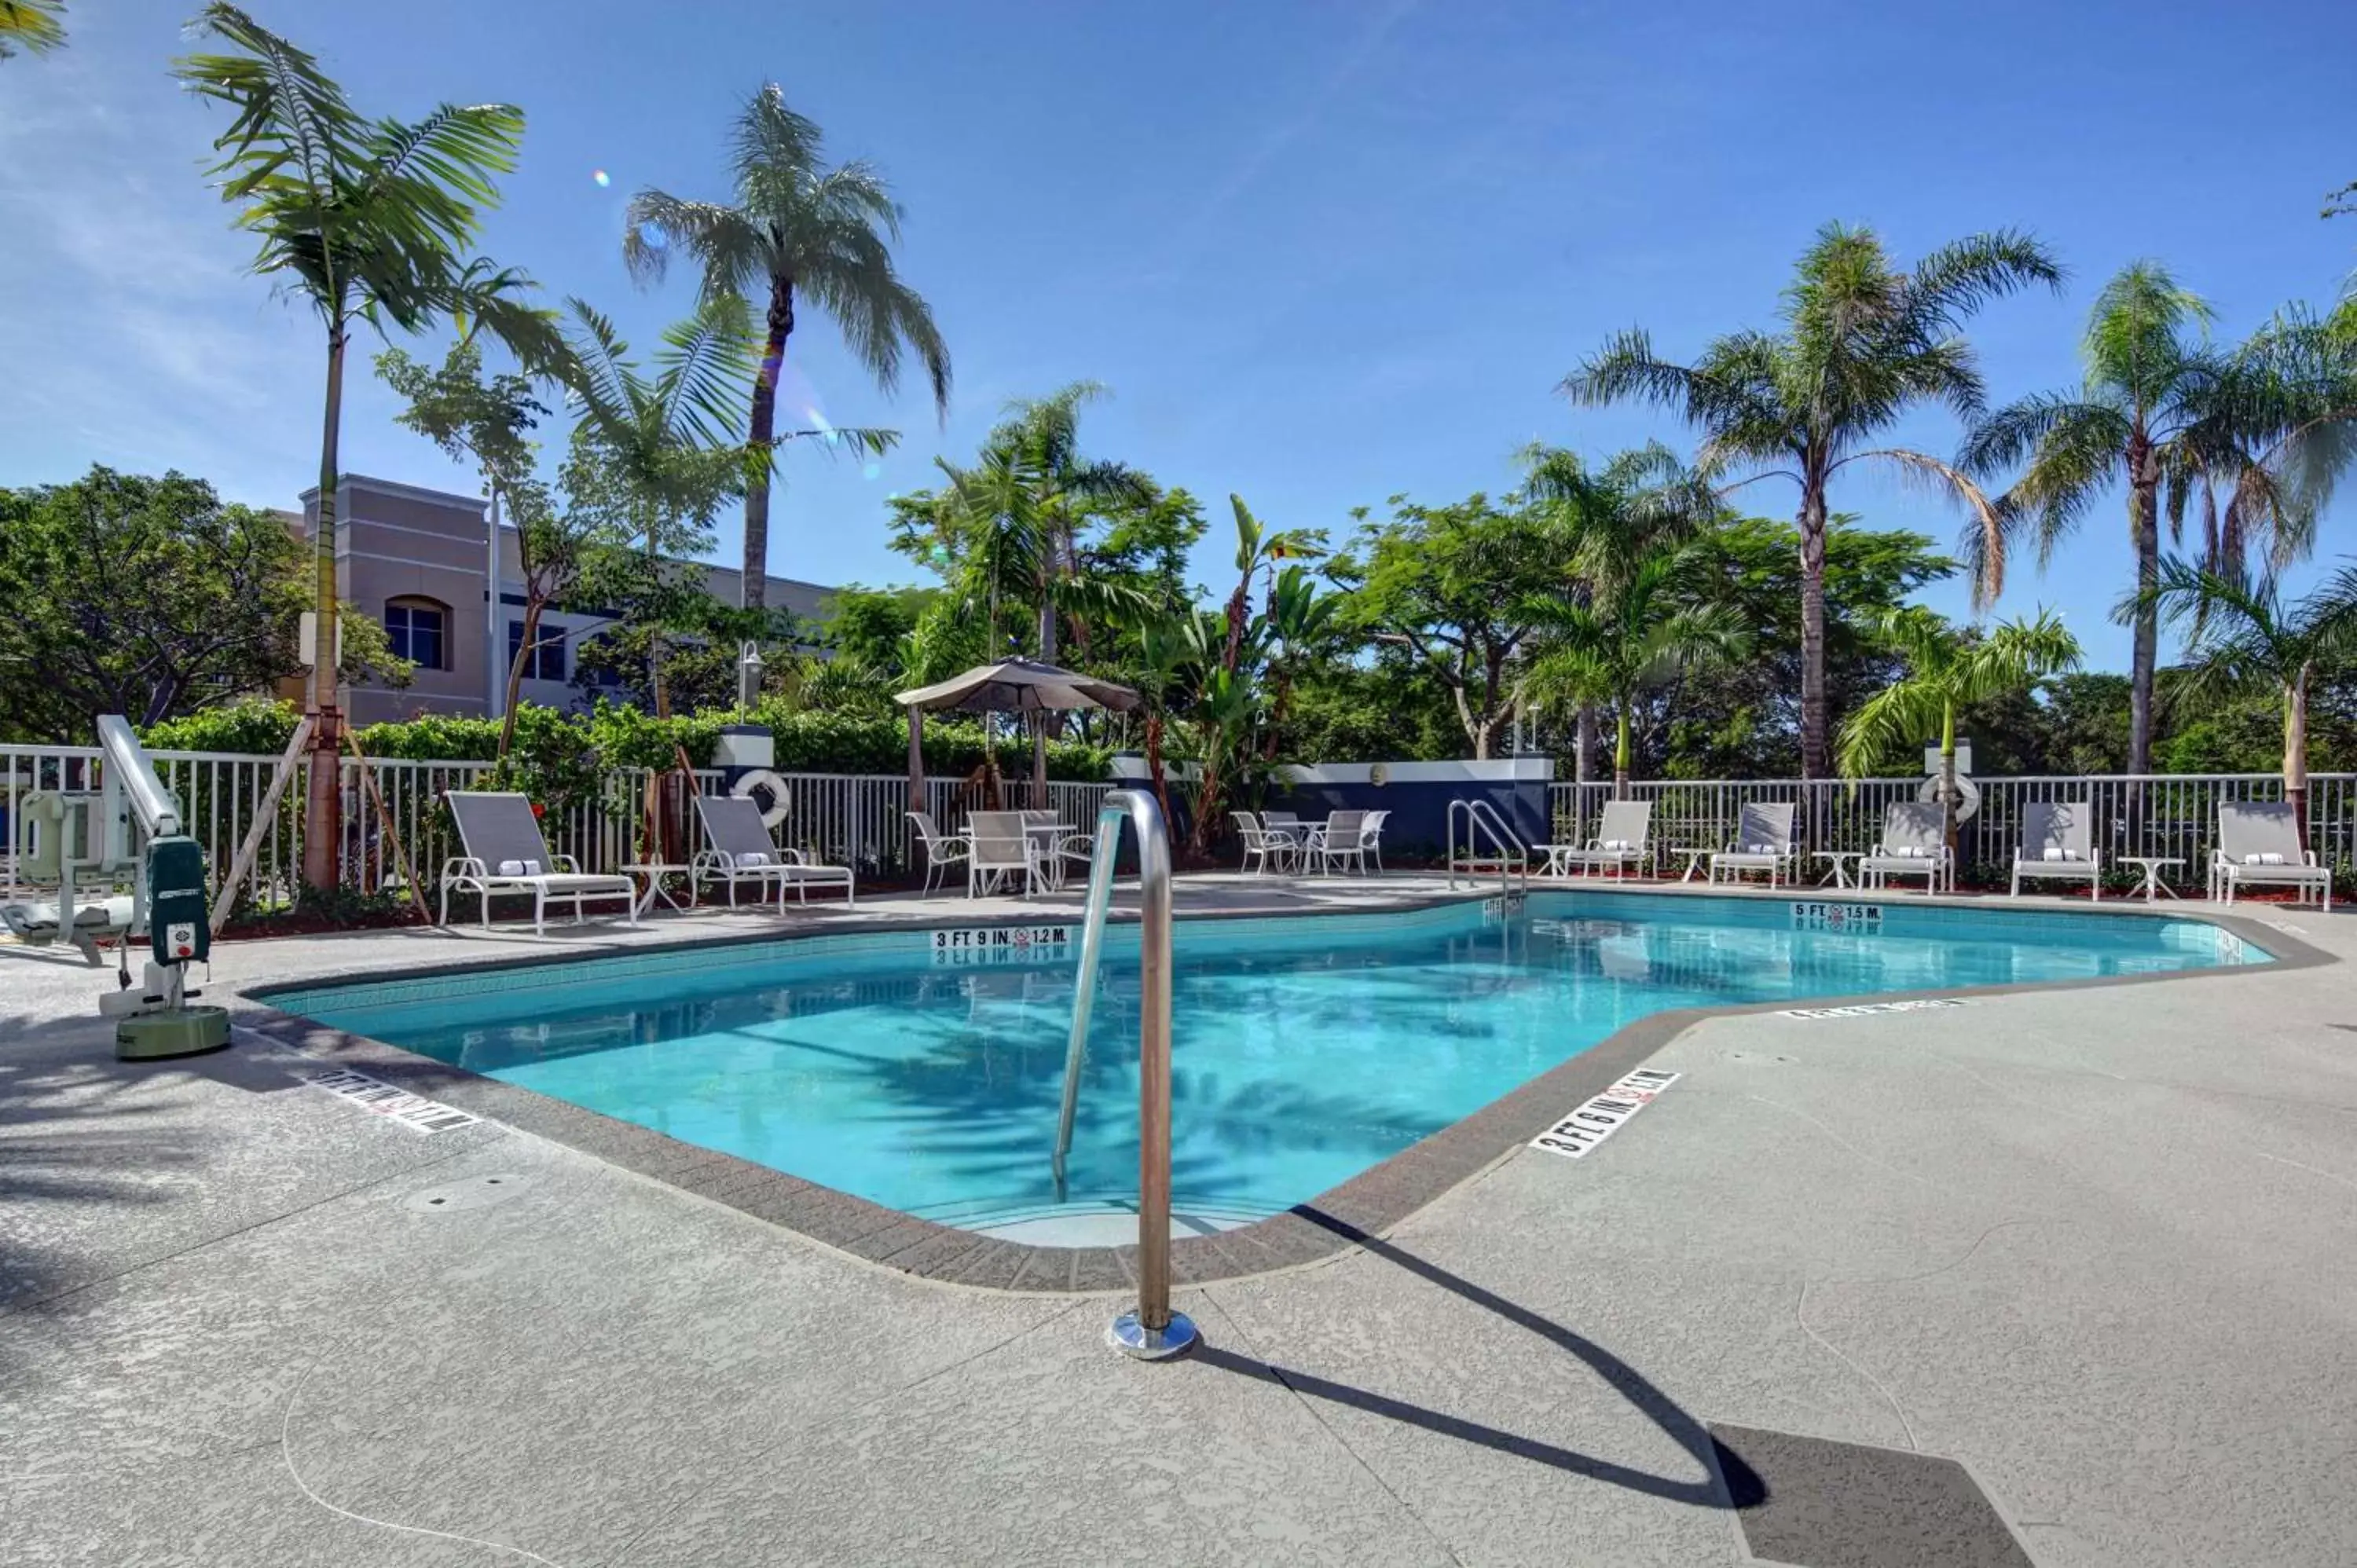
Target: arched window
pixel 419 630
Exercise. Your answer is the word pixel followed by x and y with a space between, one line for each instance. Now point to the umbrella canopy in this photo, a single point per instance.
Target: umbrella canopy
pixel 1019 686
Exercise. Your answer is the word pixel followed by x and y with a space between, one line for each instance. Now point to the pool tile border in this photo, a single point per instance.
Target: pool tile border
pixel 1368 1204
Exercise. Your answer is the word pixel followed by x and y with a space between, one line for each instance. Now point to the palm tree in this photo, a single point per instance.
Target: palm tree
pixel 799 232
pixel 2241 635
pixel 366 220
pixel 1863 343
pixel 661 454
pixel 1614 646
pixel 35 27
pixel 2151 412
pixel 1610 520
pixel 1948 667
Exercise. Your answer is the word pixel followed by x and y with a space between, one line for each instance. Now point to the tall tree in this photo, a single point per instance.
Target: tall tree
pixel 798 231
pixel 1463 586
pixel 1610 646
pixel 1863 343
pixel 150 598
pixel 367 222
pixel 34 27
pixel 1948 668
pixel 2242 636
pixel 656 455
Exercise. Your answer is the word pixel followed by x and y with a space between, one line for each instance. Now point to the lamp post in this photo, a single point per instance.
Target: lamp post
pixel 748 677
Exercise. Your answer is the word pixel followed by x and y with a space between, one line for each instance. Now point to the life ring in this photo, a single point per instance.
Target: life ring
pixel 1968 796
pixel 765 789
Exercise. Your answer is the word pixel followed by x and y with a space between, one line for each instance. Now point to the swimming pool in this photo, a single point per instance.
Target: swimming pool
pixel 922 1070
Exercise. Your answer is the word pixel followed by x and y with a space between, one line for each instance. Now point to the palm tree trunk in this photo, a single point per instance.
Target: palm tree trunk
pixel 1583 746
pixel 1154 769
pixel 1948 775
pixel 2294 758
pixel 533 606
pixel 1040 720
pixel 1620 753
pixel 2144 535
pixel 323 814
pixel 1814 757
pixel 753 590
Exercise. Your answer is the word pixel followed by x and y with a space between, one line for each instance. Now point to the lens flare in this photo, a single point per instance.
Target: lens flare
pixel 872 471
pixel 653 237
pixel 600 176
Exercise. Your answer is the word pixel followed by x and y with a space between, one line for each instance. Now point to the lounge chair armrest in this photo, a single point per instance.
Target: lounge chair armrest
pixel 2308 857
pixel 566 864
pixel 459 866
pixel 794 857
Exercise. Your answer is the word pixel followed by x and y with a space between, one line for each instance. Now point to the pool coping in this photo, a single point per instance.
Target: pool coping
pixel 1368 1204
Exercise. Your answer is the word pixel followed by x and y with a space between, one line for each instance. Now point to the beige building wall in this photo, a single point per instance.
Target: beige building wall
pixel 408 548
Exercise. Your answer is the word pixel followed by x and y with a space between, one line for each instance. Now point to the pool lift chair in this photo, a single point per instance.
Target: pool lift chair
pixel 74 834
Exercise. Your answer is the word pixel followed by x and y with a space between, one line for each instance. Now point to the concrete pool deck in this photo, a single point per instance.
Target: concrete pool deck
pixel 2093 1244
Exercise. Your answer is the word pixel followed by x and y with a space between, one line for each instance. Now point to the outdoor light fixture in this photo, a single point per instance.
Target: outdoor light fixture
pixel 748 677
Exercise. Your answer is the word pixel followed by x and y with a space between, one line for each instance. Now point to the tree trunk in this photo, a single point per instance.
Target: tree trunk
pixel 654 636
pixel 1620 753
pixel 1814 728
pixel 1583 746
pixel 2294 758
pixel 2144 533
pixel 533 606
pixel 1154 769
pixel 753 591
pixel 916 758
pixel 1948 777
pixel 323 814
pixel 1040 720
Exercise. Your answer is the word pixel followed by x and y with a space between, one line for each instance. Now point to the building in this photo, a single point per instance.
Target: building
pixel 416 562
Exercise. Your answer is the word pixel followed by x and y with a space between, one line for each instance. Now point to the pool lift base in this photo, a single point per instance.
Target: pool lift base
pixel 1130 1336
pixel 186 1031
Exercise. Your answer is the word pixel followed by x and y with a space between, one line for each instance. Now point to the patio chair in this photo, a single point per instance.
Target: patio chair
pixel 1762 841
pixel 998 848
pixel 1262 845
pixel 1343 842
pixel 1370 834
pixel 740 850
pixel 2259 843
pixel 1914 843
pixel 1065 843
pixel 941 851
pixel 505 854
pixel 2055 842
pixel 1623 838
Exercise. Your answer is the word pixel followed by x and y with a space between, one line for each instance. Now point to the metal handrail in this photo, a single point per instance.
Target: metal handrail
pixel 1153 1331
pixel 1513 854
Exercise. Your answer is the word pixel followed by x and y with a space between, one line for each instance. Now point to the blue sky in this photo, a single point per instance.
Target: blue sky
pixel 1322 253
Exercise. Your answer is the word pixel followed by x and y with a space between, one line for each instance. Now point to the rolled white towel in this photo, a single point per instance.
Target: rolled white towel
pixel 1616 845
pixel 755 859
pixel 519 868
pixel 1912 852
pixel 1760 848
pixel 2055 855
pixel 2268 857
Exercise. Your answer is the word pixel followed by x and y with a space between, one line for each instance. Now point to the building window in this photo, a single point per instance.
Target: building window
pixel 546 661
pixel 418 631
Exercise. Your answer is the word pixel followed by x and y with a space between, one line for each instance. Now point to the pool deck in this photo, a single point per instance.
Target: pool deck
pixel 2098 1245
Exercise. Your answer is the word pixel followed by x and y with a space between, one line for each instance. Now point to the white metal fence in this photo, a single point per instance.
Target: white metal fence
pixel 855 819
pixel 2172 815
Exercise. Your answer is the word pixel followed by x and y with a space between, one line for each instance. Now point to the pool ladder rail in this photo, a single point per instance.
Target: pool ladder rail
pixel 1152 1332
pixel 1509 857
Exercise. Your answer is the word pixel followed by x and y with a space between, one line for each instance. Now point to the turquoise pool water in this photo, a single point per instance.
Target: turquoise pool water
pixel 1305 1050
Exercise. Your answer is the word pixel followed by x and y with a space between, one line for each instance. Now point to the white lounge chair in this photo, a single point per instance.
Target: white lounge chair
pixel 2057 841
pixel 1262 845
pixel 1914 843
pixel 998 848
pixel 505 854
pixel 742 850
pixel 941 851
pixel 1762 841
pixel 1342 843
pixel 2259 843
pixel 1371 835
pixel 1623 838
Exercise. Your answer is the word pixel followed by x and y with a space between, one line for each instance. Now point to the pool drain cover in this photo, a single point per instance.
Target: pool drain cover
pixel 475 1192
pixel 1816 1504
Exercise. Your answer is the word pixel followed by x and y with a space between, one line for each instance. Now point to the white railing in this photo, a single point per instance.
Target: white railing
pixel 2175 815
pixel 857 819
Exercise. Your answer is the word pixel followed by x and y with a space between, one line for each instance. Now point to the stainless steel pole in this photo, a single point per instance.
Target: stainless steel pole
pixel 1152 1332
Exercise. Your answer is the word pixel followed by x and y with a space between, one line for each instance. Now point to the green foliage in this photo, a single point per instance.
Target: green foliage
pixel 147 598
pixel 34 27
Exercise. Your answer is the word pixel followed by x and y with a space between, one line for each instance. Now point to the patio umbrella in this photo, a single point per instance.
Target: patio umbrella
pixel 1009 686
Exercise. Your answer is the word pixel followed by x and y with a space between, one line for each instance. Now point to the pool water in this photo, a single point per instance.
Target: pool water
pixel 1303 1050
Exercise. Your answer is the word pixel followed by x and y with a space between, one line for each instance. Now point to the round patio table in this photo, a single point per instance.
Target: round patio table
pixel 2152 887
